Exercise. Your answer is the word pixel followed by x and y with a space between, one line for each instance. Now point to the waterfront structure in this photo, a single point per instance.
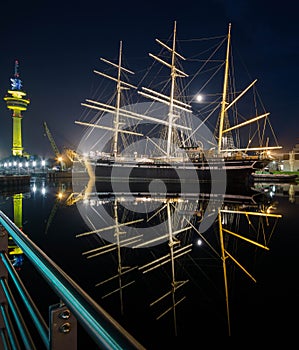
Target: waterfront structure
pixel 286 161
pixel 292 163
pixel 17 102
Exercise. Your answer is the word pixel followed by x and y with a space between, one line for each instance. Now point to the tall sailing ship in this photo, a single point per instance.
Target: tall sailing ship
pixel 165 140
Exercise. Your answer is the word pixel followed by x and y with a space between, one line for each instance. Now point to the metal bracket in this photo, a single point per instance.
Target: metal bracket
pixel 3 248
pixel 63 328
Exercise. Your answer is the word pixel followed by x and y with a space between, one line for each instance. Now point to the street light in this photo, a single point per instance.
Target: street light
pixel 43 165
pixel 34 165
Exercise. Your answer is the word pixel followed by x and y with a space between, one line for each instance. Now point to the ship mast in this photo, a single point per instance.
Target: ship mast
pixel 173 77
pixel 224 93
pixel 118 93
pixel 116 110
pixel 225 106
pixel 170 100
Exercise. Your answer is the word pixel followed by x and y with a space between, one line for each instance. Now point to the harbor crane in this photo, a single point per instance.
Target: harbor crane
pixel 57 153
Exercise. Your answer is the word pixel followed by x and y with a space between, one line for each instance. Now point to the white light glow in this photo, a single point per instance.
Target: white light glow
pixel 199 242
pixel 199 98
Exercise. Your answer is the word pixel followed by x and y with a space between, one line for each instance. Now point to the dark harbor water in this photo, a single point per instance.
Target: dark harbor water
pixel 169 287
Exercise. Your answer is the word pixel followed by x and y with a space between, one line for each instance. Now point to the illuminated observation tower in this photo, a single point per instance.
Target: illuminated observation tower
pixel 16 101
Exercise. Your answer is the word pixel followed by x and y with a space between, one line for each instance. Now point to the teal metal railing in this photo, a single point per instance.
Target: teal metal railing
pixel 75 304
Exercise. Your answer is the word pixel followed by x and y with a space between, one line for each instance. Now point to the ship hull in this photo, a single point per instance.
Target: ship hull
pixel 274 177
pixel 173 177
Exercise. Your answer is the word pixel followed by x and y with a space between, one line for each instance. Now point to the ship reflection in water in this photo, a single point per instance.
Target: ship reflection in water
pixel 166 265
pixel 179 256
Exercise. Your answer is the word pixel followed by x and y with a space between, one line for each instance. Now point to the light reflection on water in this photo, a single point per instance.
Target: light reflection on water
pixel 148 270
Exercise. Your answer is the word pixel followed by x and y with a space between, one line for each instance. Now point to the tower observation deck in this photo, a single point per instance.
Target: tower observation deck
pixel 16 101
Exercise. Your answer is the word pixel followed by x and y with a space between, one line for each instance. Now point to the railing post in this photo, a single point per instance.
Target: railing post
pixel 62 327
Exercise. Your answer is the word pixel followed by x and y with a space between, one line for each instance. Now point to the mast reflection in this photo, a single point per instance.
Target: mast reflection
pixel 162 231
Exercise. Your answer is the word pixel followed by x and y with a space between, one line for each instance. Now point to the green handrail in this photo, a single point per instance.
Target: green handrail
pixel 102 328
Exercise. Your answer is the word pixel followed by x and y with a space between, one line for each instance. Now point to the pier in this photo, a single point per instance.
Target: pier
pixel 14 180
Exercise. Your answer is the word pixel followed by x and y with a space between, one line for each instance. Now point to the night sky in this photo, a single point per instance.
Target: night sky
pixel 58 44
